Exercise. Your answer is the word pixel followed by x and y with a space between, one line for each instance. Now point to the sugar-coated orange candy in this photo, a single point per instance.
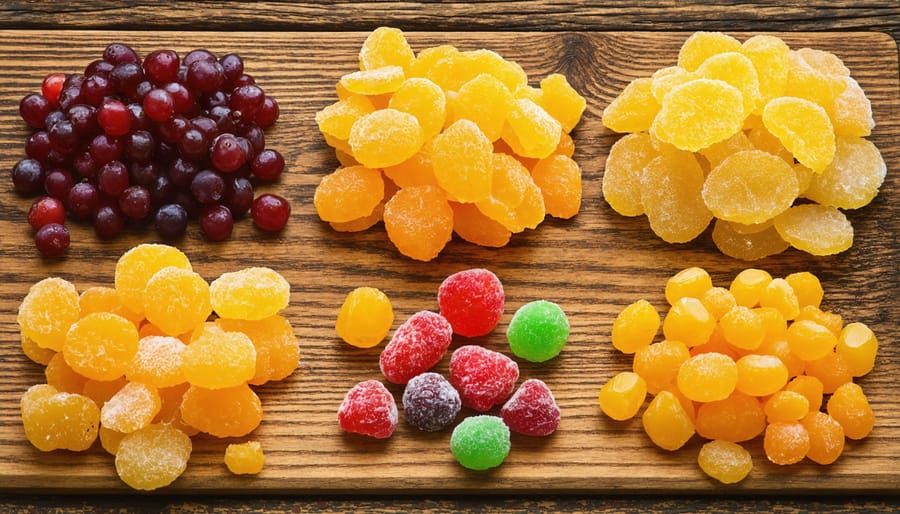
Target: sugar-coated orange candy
pixel 858 346
pixel 826 437
pixel 770 57
pixel 707 377
pixel 851 111
pixel 786 406
pixel 419 221
pixel 622 175
pixel 462 159
pixel 666 422
pixel 623 395
pixel 693 282
pixel 561 101
pixel 850 407
pixel 717 301
pixel 530 130
pixel 747 246
pixel 485 101
pixel 377 81
pixel 718 152
pixel 176 300
pixel 688 321
pixel 515 201
pixel 747 286
pixel 244 458
pixel 231 412
pixel 474 226
pixel 102 390
pixel 658 363
pixel 61 376
pixel 152 457
pixel 810 387
pixel 808 80
pixel 385 137
pixel 110 439
pixel 136 266
pixel 807 288
pixel 760 375
pixel 664 79
pixel 337 119
pixel 738 417
pixel 725 461
pixel 781 349
pixel 699 113
pixel 786 442
pixel 57 420
pixel 365 317
pixel 217 359
pixel 635 327
pixel 132 408
pixel 348 193
pixel 832 369
pixel 106 299
pixel 47 312
pixel 779 295
pixel 425 100
pixel 157 362
pixel 386 46
pixel 101 345
pixel 250 293
pixel 830 320
pixel 34 352
pixel 559 179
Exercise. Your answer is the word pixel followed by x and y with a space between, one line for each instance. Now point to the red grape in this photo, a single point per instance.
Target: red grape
pixel 270 212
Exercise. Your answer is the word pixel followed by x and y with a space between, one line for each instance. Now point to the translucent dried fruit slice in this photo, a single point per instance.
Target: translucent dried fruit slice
pixel 770 57
pixel 386 46
pixel 559 179
pixel 718 152
pixel 176 300
pixel 475 227
pixel 423 99
pixel 419 221
pixel 53 420
pixel 385 137
pixel 747 246
pixel 462 162
pixel 664 79
pixel 622 175
pixel 807 82
pixel 824 62
pixel 348 193
pixel 699 113
pixel 803 128
pixel 530 131
pixel 47 312
pixel 737 70
pixel 336 119
pixel 852 179
pixel 376 81
pixel 851 111
pixel 634 109
pixel 751 186
pixel 561 101
pixel 815 229
pixel 671 188
pixel 152 457
pixel 702 45
pixel 485 101
pixel 135 267
pixel 101 345
pixel 251 293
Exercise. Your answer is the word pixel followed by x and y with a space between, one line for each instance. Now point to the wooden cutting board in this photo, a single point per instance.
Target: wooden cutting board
pixel 592 265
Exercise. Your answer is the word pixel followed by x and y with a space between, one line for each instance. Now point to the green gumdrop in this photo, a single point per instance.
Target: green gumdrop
pixel 538 331
pixel 480 442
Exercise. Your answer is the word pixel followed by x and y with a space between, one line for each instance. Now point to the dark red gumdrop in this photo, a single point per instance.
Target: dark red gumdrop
pixel 472 301
pixel 368 409
pixel 532 409
pixel 416 346
pixel 483 377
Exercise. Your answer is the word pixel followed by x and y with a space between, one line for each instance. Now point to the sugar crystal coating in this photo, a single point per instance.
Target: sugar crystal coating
pixel 245 458
pixel 532 409
pixel 538 331
pixel 251 293
pixel 217 359
pixel 430 402
pixel 416 346
pixel 48 310
pixel 419 221
pixel 482 377
pixel 480 442
pixel 368 409
pixel 348 193
pixel 152 457
pixel 58 420
pixel 277 350
pixel 132 408
pixel 725 461
pixel 472 301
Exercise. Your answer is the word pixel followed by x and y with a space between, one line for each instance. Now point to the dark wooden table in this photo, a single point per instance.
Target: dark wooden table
pixel 498 15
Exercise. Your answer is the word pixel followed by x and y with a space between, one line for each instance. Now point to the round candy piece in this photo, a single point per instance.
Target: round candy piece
pixel 369 409
pixel 483 377
pixel 532 409
pixel 480 442
pixel 538 331
pixel 251 293
pixel 365 317
pixel 430 402
pixel 472 301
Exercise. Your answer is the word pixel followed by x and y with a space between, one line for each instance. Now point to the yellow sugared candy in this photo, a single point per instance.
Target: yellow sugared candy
pixel 702 45
pixel 816 229
pixel 671 193
pixel 852 179
pixel 55 420
pixel 804 128
pixel 623 395
pixel 445 120
pixel 750 187
pixel 251 293
pixel 101 345
pixel 245 458
pixel 48 310
pixel 699 113
pixel 365 317
pixel 176 300
pixel 622 176
pixel 634 109
pixel 725 461
pixel 153 457
pixel 136 266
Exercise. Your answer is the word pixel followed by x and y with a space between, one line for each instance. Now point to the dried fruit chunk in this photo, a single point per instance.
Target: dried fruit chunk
pixel 337 119
pixel 666 422
pixel 231 412
pixel 176 300
pixel 132 408
pixel 803 128
pixel 851 111
pixel 737 70
pixel 750 187
pixel 386 46
pixel 423 99
pixel 725 461
pixel 815 229
pixel 251 293
pixel 852 179
pixel 473 226
pixel 419 221
pixel 718 152
pixel 348 194
pixel 376 81
pixel 48 310
pixel 365 317
pixel 634 109
pixel 699 113
pixel 671 187
pixel 136 266
pixel 748 247
pixel 702 45
pixel 152 457
pixel 561 101
pixel 530 131
pixel 462 159
pixel 770 57
pixel 101 345
pixel 385 137
pixel 54 420
pixel 559 179
pixel 34 352
pixel 245 458
pixel 622 174
pixel 485 101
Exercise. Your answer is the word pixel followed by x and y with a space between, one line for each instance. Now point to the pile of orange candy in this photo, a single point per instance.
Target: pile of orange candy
pixel 754 359
pixel 447 141
pixel 141 367
pixel 738 132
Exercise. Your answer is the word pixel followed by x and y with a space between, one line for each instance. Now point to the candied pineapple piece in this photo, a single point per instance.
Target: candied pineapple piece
pixel 671 188
pixel 815 229
pixel 803 128
pixel 634 109
pixel 852 179
pixel 515 200
pixel 702 45
pixel 699 113
pixel 622 175
pixel 751 186
pixel 386 46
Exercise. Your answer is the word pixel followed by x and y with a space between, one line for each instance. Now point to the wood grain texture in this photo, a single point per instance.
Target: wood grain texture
pixel 592 265
pixel 529 15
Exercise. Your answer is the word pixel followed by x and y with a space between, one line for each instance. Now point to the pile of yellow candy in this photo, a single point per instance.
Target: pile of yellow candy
pixel 447 141
pixel 140 367
pixel 739 132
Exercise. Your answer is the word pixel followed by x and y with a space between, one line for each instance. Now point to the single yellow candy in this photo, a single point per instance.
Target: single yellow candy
pixel 485 101
pixel 699 113
pixel 702 45
pixel 664 79
pixel 770 57
pixel 377 81
pixel 385 137
pixel 634 109
pixel 251 293
pixel 815 229
pixel 671 186
pixel 852 179
pixel 803 128
pixel 365 317
pixel 386 46
pixel 530 131
pixel 337 119
pixel 462 157
pixel 622 175
pixel 749 187
pixel 423 99
pixel 48 310
pixel 737 70
pixel 561 101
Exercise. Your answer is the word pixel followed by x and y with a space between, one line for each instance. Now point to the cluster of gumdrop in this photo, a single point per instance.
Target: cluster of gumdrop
pixel 140 367
pixel 754 359
pixel 471 304
pixel 160 140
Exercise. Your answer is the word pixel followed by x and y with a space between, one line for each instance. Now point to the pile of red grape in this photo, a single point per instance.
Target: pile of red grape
pixel 159 141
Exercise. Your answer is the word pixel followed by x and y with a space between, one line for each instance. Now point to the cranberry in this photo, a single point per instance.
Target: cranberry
pixel 270 212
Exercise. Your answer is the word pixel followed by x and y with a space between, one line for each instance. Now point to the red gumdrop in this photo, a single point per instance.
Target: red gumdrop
pixel 369 409
pixel 416 346
pixel 472 301
pixel 532 409
pixel 483 377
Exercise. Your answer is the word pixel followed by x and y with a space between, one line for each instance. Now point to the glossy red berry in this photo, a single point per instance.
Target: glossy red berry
pixel 52 240
pixel 270 212
pixel 46 210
